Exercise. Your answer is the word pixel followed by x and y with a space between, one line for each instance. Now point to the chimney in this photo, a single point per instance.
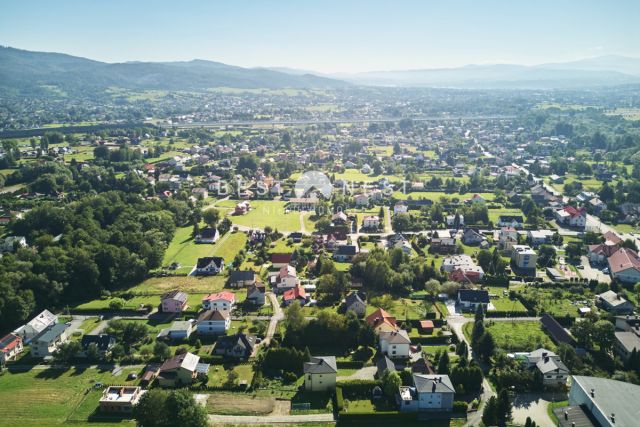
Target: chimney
pixel 546 359
pixel 566 415
pixel 613 418
pixel 593 392
pixel 433 387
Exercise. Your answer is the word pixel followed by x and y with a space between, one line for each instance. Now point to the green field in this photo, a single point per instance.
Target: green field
pixel 437 195
pixel 186 252
pixel 518 335
pixel 268 213
pixel 52 396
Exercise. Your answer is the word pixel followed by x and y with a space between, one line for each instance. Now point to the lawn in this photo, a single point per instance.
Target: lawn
pixel 501 302
pixel 239 404
pixel 437 195
pixel 402 308
pixel 186 252
pixel 49 397
pixel 189 284
pixel 494 214
pixel 354 175
pixel 519 335
pixel 269 213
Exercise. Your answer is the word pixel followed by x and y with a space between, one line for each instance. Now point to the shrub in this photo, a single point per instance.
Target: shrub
pixel 460 406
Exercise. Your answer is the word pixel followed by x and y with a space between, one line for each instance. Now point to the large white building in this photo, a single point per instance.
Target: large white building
pixel 612 403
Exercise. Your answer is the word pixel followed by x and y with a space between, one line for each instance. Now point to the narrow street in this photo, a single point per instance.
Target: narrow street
pixel 277 316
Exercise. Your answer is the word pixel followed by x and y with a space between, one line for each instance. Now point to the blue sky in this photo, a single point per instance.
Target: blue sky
pixel 328 35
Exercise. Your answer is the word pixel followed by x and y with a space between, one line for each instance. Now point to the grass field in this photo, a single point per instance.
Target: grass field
pixel 239 404
pixel 437 195
pixel 268 213
pixel 189 284
pixel 186 252
pixel 519 335
pixel 50 397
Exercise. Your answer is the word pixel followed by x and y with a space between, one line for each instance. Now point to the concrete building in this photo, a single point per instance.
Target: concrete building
pixel 609 402
pixel 320 373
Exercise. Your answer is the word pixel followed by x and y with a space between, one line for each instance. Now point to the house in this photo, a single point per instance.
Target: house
pixel 626 342
pixel 524 258
pixel 451 220
pixel 470 299
pixel 10 243
pixel 381 321
pixel 400 208
pixel 320 373
pixel 395 344
pixel 296 237
pixel 10 347
pixel 179 330
pixel 296 294
pixel 47 341
pixel 287 278
pixel 102 342
pixel 455 262
pixel 208 235
pixel 120 399
pixel 507 238
pixel 472 237
pixel 429 393
pixel 422 366
pixel 242 208
pixel 611 238
pixel 371 222
pixel 613 303
pixel 553 370
pixel 200 193
pixel 213 322
pixel 624 265
pixel 539 237
pixel 604 400
pixel 361 200
pixel 178 371
pixel 476 198
pixel 366 169
pixel 303 203
pixel 513 221
pixel 224 300
pixel 354 302
pixel 345 253
pixel 558 334
pixel 572 217
pixel 237 346
pixel 36 325
pixel 600 253
pixel 174 302
pixel 383 363
pixel 339 218
pixel 207 266
pixel 241 278
pixel 256 294
pixel 426 326
pixel 443 245
pixel 281 260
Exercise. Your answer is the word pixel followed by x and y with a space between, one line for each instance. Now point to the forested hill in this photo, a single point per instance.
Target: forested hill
pixel 25 72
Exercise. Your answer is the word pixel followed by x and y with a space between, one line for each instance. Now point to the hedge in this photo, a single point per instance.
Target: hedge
pixel 496 313
pixel 379 418
pixel 434 340
pixel 460 406
pixel 339 399
pixel 350 364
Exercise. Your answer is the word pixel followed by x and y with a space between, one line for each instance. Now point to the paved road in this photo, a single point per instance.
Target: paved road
pixel 387 221
pixel 273 419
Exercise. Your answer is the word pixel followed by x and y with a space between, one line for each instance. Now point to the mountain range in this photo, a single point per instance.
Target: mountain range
pixel 26 72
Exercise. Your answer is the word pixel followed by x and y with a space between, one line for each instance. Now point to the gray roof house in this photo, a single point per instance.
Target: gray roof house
pixel 430 393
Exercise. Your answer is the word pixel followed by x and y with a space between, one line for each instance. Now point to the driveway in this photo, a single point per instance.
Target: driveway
pixel 533 405
pixel 277 316
pixel 365 373
pixel 591 273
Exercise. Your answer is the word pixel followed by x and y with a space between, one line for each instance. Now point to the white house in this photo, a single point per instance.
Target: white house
pixel 470 299
pixel 213 322
pixel 624 265
pixel 553 370
pixel 395 344
pixel 430 393
pixel 180 329
pixel 219 301
pixel 47 342
pixel 209 266
pixel 361 200
pixel 320 373
pixel 371 221
pixel 36 325
pixel 400 208
pixel 523 256
pixel 609 402
pixel 287 278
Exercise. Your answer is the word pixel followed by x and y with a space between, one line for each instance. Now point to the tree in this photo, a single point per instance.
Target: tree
pixel 160 408
pixel 67 351
pixel 432 286
pixel 462 349
pixel 150 410
pixel 479 316
pixel 211 217
pixel 161 350
pixel 604 334
pixel 116 304
pixel 390 383
pixel 477 332
pixel 504 408
pixel 582 331
pixel 490 413
pixel 486 346
pixel 443 363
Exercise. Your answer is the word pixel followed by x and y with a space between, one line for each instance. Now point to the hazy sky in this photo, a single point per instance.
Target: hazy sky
pixel 327 35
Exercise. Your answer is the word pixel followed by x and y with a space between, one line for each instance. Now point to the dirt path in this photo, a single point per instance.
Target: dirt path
pixel 366 373
pixel 277 316
pixel 387 221
pixel 303 230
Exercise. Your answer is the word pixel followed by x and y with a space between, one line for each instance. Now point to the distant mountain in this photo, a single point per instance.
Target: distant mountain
pixel 592 72
pixel 29 72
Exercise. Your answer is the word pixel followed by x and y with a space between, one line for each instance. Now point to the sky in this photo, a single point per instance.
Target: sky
pixel 326 36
